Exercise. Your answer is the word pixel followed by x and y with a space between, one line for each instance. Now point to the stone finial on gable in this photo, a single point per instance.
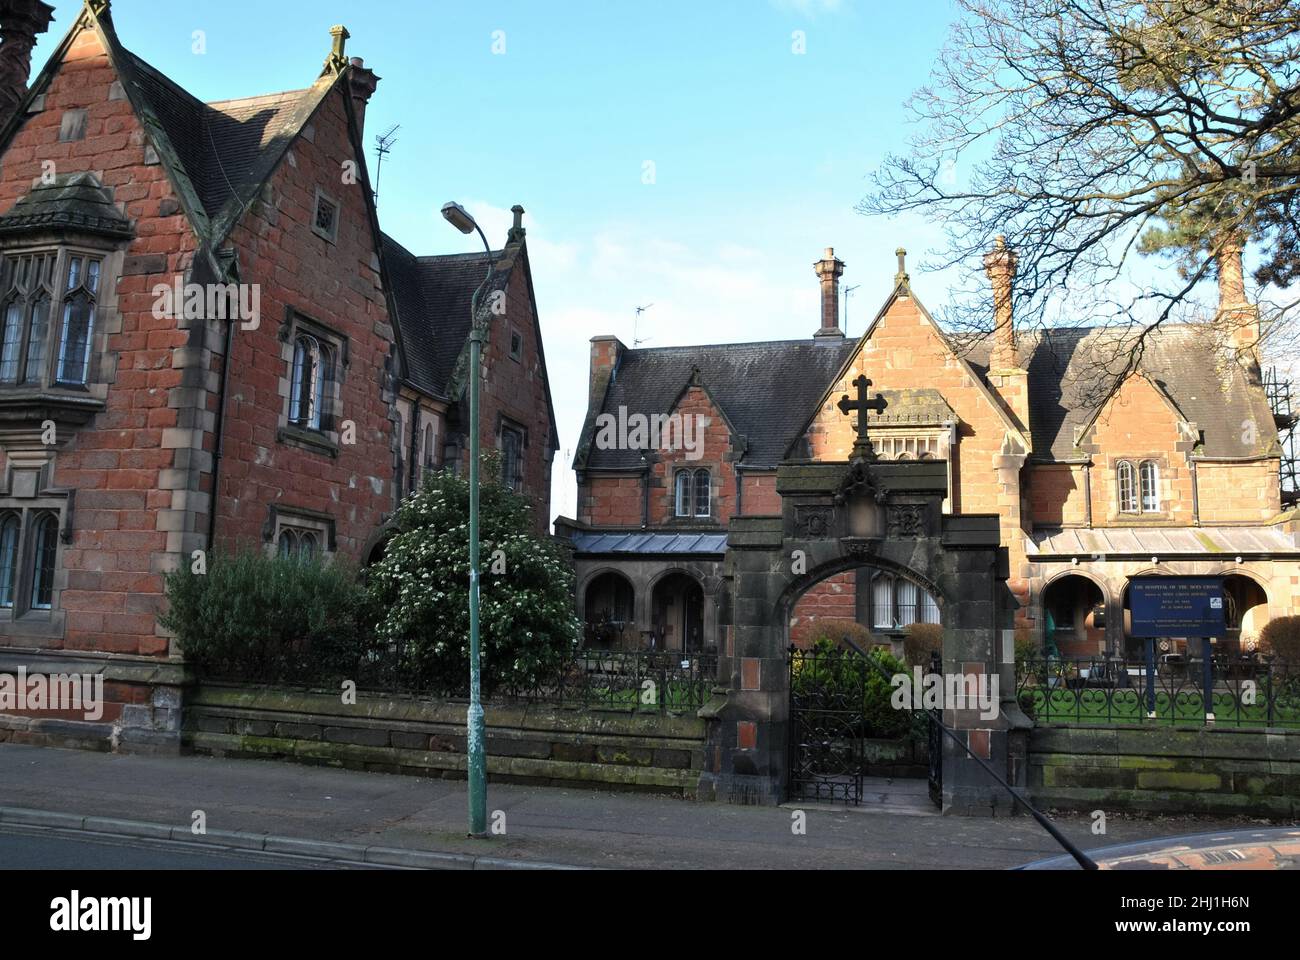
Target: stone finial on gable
pixel 901 277
pixel 517 231
pixel 337 60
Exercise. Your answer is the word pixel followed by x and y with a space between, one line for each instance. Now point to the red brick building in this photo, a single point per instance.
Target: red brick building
pixel 208 342
pixel 1174 471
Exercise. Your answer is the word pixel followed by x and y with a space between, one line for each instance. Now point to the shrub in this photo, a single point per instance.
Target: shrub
pixel 921 640
pixel 830 673
pixel 419 591
pixel 830 634
pixel 1281 637
pixel 1026 648
pixel 266 618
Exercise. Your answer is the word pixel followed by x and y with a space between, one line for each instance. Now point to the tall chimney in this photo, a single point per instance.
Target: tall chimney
pixel 1000 265
pixel 1010 381
pixel 829 270
pixel 363 82
pixel 21 21
pixel 1237 317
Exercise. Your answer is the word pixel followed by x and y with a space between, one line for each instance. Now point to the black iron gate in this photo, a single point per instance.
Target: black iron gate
pixel 829 722
pixel 827 716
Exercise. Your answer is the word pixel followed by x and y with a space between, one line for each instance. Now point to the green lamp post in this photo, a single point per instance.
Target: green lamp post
pixel 459 218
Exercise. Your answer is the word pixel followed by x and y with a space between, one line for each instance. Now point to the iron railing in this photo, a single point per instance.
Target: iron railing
pixel 634 681
pixel 1242 691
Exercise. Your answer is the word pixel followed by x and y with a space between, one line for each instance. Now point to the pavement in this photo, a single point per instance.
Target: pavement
pixel 264 808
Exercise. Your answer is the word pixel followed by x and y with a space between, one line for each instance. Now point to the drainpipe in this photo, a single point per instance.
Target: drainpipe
pixel 1087 493
pixel 221 433
pixel 415 435
pixel 645 492
pixel 1196 495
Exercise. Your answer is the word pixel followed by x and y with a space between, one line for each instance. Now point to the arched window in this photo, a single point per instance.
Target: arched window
pixel 428 446
pixel 26 285
pixel 683 494
pixel 43 555
pixel 1149 475
pixel 907 603
pixel 882 601
pixel 288 546
pixel 78 321
pixel 702 493
pixel 10 527
pixel 307 392
pixel 897 602
pixel 307 546
pixel 1126 483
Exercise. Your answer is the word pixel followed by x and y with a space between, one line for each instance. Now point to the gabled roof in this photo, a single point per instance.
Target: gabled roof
pixel 1067 386
pixel 217 143
pixel 763 389
pixel 434 296
pixel 216 155
pixel 902 288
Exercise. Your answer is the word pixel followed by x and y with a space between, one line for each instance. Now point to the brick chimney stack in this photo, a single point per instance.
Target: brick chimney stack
pixel 21 21
pixel 829 270
pixel 363 82
pixel 1008 378
pixel 1000 265
pixel 1238 318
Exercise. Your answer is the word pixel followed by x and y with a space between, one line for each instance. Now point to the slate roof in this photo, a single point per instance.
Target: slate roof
pixel 651 543
pixel 1161 541
pixel 216 143
pixel 72 200
pixel 1064 389
pixel 434 297
pixel 766 390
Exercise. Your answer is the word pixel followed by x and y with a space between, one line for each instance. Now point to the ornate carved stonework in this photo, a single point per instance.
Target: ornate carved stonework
pixel 857 483
pixel 905 521
pixel 859 548
pixel 814 523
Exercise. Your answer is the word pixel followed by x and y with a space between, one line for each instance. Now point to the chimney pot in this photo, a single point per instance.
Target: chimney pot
pixel 829 270
pixel 1000 265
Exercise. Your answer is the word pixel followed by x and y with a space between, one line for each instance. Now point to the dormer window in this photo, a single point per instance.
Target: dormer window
pixel 1138 486
pixel 693 493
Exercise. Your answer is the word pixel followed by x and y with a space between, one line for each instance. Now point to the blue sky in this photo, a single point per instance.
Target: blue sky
pixel 759 152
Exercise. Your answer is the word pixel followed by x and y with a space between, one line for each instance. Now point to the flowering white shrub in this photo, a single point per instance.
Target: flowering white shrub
pixel 420 589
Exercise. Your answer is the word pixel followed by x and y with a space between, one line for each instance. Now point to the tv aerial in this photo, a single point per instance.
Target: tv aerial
pixel 636 342
pixel 384 146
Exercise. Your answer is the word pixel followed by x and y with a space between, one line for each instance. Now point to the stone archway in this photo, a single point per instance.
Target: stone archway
pixel 835 517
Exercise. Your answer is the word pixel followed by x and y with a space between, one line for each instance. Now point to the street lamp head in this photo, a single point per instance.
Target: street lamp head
pixel 458 217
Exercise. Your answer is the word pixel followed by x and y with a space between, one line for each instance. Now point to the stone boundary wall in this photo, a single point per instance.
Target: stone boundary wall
pixel 535 744
pixel 1221 770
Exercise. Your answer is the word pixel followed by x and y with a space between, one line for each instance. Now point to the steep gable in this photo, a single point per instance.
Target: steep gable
pixel 904 349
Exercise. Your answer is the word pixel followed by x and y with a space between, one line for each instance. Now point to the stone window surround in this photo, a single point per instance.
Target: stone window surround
pixel 504 424
pixel 945 437
pixel 300 520
pixel 1163 478
pixel 317 441
pixel 692 470
pixel 107 319
pixel 329 235
pixel 26 492
pixel 517 355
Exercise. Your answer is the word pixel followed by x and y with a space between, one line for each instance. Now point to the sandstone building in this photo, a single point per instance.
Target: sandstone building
pixel 1172 470
pixel 320 371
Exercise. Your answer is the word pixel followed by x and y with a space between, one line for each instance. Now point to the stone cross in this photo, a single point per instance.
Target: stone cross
pixel 862 448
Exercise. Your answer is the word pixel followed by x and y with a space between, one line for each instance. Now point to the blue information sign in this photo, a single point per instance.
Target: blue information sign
pixel 1177 607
